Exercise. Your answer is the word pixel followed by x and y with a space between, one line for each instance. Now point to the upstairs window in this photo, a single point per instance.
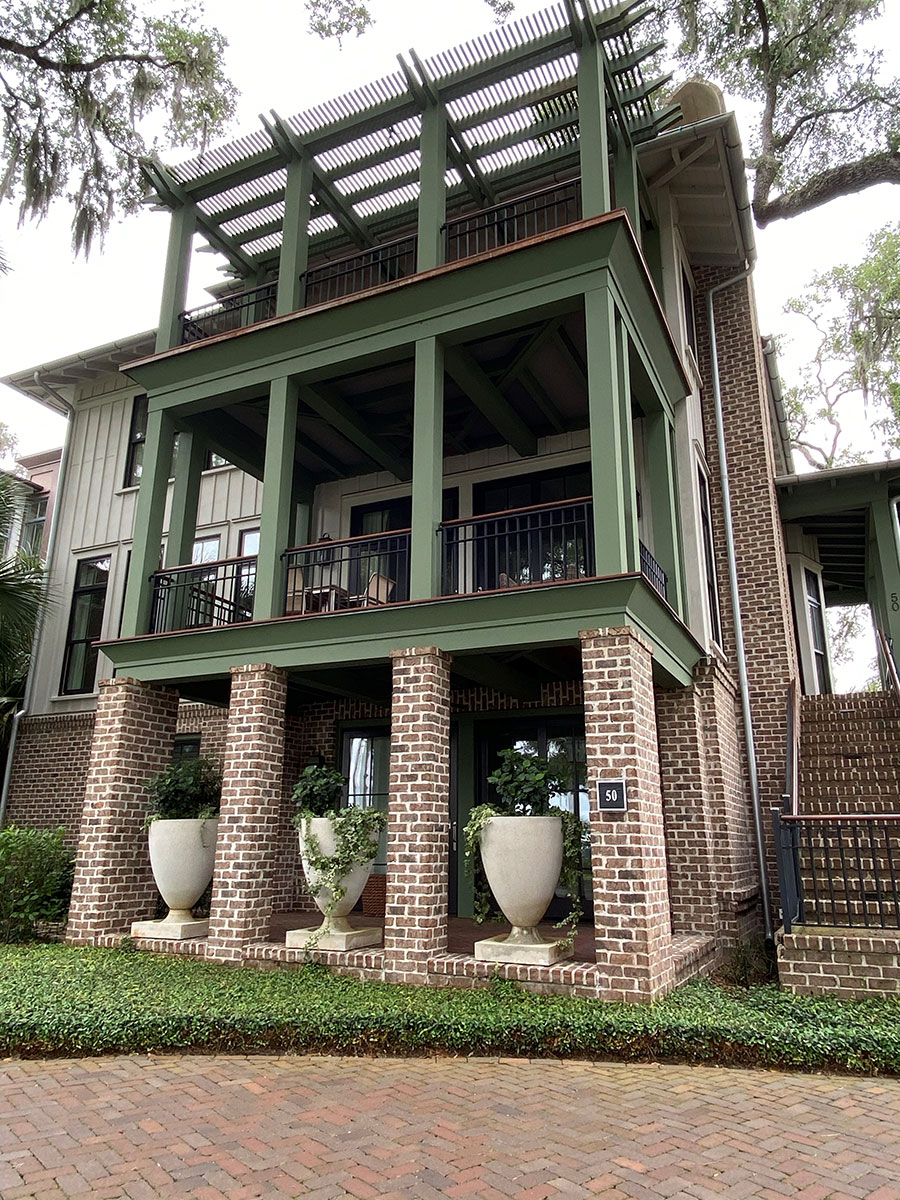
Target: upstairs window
pixel 709 559
pixel 33 520
pixel 137 436
pixel 85 626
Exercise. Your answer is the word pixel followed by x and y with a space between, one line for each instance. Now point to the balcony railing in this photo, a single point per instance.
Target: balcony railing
pixel 517 548
pixel 359 572
pixel 653 572
pixel 838 870
pixel 232 312
pixel 200 597
pixel 526 216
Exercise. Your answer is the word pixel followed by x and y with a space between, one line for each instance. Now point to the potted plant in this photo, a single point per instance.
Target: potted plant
pixel 337 848
pixel 527 849
pixel 182 823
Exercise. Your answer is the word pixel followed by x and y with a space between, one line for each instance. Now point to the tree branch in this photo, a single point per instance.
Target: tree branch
pixel 22 50
pixel 844 180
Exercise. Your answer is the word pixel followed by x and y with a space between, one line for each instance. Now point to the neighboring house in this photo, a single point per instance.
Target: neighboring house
pixel 464 373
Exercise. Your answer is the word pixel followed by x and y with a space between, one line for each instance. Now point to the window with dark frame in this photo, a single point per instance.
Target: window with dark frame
pixel 817 629
pixel 186 745
pixel 85 626
pixel 33 520
pixel 137 436
pixel 709 559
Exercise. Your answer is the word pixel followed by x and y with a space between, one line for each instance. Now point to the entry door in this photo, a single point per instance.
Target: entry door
pixel 366 765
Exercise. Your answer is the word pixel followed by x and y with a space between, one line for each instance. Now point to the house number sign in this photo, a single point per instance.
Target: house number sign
pixel 611 795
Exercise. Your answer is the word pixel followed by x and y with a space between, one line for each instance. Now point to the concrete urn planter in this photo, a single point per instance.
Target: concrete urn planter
pixel 522 858
pixel 182 856
pixel 335 932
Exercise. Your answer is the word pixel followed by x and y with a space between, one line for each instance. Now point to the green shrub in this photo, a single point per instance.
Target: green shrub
pixel 318 792
pixel 189 788
pixel 35 880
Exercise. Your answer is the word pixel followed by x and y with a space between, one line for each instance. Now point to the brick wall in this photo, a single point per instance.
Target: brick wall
pixel 765 603
pixel 850 753
pixel 840 962
pixel 49 772
pixel 132 740
pixel 418 815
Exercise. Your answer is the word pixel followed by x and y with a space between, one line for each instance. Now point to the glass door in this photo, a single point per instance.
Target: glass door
pixel 366 766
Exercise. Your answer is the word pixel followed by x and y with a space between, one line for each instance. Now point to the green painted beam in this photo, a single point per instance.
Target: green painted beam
pixel 328 404
pixel 489 672
pixel 227 436
pixel 514 620
pixel 542 399
pixel 812 496
pixel 276 519
pixel 224 179
pixel 432 210
pixel 663 481
pixel 148 522
pixel 489 401
pixel 185 495
pixel 295 242
pixel 427 470
pixel 175 280
pixel 593 134
pixel 523 356
pixel 246 207
pixel 884 523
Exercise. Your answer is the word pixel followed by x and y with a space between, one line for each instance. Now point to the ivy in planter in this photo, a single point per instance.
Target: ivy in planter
pixel 524 785
pixel 318 794
pixel 190 789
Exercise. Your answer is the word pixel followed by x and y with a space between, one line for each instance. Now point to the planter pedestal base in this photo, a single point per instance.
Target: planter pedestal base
pixel 349 939
pixel 532 954
pixel 170 931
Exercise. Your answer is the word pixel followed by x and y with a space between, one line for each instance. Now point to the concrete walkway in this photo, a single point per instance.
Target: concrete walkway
pixel 272 1127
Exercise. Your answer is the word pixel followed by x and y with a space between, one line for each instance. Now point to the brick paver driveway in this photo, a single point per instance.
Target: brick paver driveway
pixel 328 1127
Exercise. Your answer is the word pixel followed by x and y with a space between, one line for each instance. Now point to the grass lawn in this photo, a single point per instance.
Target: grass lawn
pixel 60 1001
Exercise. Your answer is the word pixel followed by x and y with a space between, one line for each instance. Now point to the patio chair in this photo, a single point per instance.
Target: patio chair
pixel 378 591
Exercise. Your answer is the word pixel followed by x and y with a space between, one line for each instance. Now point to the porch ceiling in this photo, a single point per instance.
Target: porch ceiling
pixel 511 101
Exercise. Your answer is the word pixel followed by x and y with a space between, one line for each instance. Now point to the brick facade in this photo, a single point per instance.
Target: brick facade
pixel 849 753
pixel 253 823
pixel 49 773
pixel 628 854
pixel 419 813
pixel 132 740
pixel 847 963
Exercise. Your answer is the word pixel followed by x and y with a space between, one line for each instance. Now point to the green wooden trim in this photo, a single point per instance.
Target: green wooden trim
pixel 229 437
pixel 813 496
pixel 489 402
pixel 629 471
pixel 513 620
pixel 148 523
pixel 592 130
pixel 275 525
pixel 612 459
pixel 884 521
pixel 427 473
pixel 295 239
pixel 185 495
pixel 341 416
pixel 626 178
pixel 432 211
pixel 175 280
pixel 664 505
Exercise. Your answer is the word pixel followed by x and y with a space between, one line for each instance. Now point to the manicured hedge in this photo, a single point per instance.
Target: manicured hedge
pixel 55 1000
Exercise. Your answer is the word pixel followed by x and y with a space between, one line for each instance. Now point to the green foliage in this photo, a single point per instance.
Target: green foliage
pixel 356 831
pixel 524 785
pixel 854 310
pixel 829 110
pixel 189 788
pixel 318 792
pixel 58 1000
pixel 339 18
pixel 82 81
pixel 35 880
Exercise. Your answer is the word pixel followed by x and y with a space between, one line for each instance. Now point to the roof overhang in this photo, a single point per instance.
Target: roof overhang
pixel 76 369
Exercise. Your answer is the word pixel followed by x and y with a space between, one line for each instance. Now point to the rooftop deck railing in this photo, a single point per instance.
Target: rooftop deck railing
pixel 203 596
pixel 838 870
pixel 487 229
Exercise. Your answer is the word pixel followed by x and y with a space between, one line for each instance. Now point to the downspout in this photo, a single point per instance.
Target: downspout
pixel 735 598
pixel 69 412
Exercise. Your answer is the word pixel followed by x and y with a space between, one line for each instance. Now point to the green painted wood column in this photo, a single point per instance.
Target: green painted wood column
pixel 432 188
pixel 427 472
pixel 593 143
pixel 185 495
pixel 627 197
pixel 612 447
pixel 175 280
pixel 294 255
pixel 663 482
pixel 276 519
pixel 148 523
pixel 884 520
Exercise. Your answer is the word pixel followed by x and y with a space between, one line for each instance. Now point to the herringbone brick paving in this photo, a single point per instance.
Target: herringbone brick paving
pixel 269 1128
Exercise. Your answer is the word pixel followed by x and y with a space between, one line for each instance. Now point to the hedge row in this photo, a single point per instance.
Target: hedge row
pixel 59 1001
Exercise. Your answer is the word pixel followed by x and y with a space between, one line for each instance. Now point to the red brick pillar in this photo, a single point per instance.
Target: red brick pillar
pixel 252 820
pixel 690 848
pixel 419 813
pixel 631 902
pixel 133 736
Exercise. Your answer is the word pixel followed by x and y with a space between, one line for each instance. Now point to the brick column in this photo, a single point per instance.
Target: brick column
pixel 419 813
pixel 628 855
pixel 693 887
pixel 132 740
pixel 251 823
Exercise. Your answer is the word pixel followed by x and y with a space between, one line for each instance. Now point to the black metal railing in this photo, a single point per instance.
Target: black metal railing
pixel 838 870
pixel 198 597
pixel 359 572
pixel 232 312
pixel 653 572
pixel 357 272
pixel 524 217
pixel 522 547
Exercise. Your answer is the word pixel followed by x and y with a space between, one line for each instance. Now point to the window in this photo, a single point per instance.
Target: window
pixel 187 745
pixel 709 559
pixel 687 304
pixel 85 624
pixel 214 460
pixel 205 550
pixel 817 629
pixel 33 520
pixel 248 543
pixel 137 436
